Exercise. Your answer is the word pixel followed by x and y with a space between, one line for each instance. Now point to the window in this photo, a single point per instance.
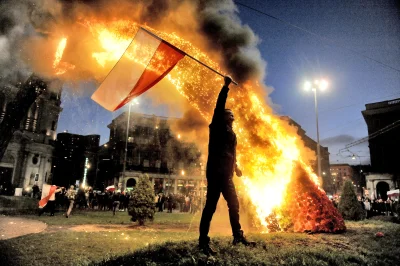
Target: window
pixel 35 160
pixel 53 125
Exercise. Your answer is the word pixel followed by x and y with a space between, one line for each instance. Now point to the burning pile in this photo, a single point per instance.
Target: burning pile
pixel 308 208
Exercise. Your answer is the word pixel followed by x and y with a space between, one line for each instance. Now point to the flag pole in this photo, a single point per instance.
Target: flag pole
pixel 198 61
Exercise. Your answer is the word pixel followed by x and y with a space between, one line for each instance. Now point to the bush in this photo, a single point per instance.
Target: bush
pixel 349 206
pixel 141 203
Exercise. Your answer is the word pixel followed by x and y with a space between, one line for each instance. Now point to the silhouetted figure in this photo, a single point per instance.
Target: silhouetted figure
pixel 220 166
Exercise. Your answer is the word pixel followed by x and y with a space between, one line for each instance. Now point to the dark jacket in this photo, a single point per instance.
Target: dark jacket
pixel 222 144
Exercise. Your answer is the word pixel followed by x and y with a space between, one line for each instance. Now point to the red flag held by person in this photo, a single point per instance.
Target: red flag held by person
pixel 47 192
pixel 146 61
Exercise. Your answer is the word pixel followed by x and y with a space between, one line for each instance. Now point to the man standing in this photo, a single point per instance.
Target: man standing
pixel 220 166
pixel 116 202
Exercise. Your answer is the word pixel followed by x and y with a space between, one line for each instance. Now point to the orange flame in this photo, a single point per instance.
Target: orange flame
pixel 59 52
pixel 61 67
pixel 267 153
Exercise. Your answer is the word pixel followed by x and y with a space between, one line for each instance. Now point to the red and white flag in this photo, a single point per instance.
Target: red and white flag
pixel 147 60
pixel 47 192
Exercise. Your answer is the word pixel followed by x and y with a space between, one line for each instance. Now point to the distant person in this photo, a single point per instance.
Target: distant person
pixel 161 200
pixel 48 200
pixel 35 191
pixel 71 194
pixel 221 164
pixel 116 202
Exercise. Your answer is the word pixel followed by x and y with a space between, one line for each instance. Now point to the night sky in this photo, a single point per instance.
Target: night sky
pixel 341 37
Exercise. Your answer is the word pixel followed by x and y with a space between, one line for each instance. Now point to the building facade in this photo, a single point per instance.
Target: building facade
pixel 29 154
pixel 152 149
pixel 384 118
pixel 341 173
pixel 75 160
pixel 383 122
pixel 378 185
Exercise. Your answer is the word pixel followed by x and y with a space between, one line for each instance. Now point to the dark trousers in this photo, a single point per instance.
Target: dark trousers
pixel 214 189
pixel 115 206
pixel 50 206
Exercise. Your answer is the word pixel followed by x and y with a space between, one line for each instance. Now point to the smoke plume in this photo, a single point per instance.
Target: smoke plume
pixel 29 30
pixel 13 30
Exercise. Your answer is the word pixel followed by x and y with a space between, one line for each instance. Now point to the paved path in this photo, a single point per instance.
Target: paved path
pixel 11 227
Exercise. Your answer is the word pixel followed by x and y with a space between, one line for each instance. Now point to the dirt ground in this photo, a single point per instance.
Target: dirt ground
pixel 11 227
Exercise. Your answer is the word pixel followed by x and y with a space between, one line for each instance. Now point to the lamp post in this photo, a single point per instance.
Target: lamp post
pixel 322 85
pixel 360 171
pixel 127 135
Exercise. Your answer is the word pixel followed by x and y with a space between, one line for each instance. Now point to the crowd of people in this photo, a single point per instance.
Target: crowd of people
pixel 88 199
pixel 375 207
pixel 379 207
pixel 179 202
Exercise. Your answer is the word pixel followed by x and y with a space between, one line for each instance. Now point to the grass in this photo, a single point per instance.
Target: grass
pixel 155 245
pixel 162 219
pixel 358 246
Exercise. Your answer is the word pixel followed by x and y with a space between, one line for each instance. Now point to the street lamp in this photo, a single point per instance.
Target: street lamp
pixel 135 101
pixel 359 160
pixel 322 85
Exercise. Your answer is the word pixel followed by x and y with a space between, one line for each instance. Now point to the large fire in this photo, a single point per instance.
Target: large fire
pixel 269 150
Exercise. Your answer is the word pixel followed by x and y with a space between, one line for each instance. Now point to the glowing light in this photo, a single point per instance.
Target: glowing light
pixel 85 172
pixel 323 85
pixel 307 85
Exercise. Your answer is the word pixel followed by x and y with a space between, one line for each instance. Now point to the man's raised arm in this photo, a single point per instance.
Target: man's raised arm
pixel 221 101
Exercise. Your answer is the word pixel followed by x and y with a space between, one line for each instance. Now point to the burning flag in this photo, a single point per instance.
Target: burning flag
pixel 153 60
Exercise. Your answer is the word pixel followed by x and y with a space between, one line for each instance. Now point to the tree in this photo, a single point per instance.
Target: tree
pixel 141 203
pixel 18 108
pixel 349 206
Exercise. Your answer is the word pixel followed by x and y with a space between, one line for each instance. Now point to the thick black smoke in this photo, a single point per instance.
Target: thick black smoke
pixel 217 20
pixel 237 42
pixel 13 29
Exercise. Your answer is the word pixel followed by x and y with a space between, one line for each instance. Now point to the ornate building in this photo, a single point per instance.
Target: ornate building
pixel 28 157
pixel 152 149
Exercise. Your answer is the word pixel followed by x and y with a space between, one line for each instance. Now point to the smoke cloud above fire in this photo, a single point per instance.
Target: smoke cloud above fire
pixel 30 29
